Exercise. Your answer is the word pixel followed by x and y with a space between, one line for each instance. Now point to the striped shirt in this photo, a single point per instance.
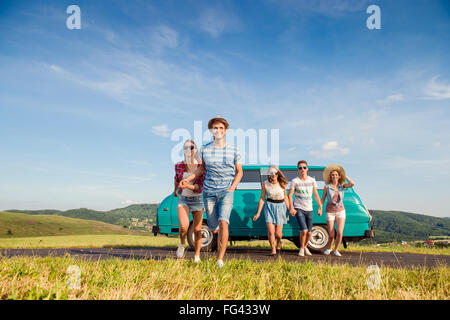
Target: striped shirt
pixel 220 166
pixel 303 192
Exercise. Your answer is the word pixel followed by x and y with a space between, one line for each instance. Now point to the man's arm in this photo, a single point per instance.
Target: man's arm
pixel 237 177
pixel 319 202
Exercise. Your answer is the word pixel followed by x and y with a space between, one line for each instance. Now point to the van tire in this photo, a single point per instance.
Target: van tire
pixel 209 240
pixel 319 242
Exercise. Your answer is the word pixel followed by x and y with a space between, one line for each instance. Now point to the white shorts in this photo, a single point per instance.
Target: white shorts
pixel 334 215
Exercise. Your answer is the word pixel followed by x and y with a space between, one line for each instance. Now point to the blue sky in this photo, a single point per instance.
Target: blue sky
pixel 87 115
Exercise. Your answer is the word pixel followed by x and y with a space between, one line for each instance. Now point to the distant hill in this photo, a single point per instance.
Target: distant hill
pixel 389 225
pixel 14 225
pixel 136 216
pixel 397 225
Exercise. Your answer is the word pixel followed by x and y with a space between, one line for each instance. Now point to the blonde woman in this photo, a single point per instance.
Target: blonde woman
pixel 189 198
pixel 275 209
pixel 334 177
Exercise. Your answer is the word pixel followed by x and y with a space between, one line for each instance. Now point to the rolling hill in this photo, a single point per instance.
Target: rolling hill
pixel 136 217
pixel 389 225
pixel 397 225
pixel 26 225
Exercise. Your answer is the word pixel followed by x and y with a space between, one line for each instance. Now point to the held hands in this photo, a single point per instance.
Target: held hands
pixel 293 212
pixel 184 183
pixel 319 211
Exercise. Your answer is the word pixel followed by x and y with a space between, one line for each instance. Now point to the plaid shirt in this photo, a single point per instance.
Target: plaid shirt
pixel 180 167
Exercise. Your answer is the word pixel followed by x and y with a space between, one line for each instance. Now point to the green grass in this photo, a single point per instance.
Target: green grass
pixel 47 278
pixel 18 225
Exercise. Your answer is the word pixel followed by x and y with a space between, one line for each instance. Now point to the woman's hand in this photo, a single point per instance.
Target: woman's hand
pixel 293 212
pixel 184 183
pixel 319 211
pixel 256 217
pixel 175 193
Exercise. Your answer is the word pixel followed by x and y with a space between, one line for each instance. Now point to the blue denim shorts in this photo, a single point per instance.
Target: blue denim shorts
pixel 305 219
pixel 193 203
pixel 218 206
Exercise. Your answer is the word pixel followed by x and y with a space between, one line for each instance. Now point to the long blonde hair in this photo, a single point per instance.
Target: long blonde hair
pixel 281 178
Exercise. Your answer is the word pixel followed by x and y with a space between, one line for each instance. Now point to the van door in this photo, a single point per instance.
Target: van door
pixel 245 206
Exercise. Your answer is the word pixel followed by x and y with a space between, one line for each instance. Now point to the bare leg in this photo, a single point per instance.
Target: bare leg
pixel 330 225
pixel 271 236
pixel 279 235
pixel 197 221
pixel 340 222
pixel 183 217
pixel 223 238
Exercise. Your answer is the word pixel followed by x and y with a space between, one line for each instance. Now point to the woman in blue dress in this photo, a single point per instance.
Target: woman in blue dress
pixel 275 209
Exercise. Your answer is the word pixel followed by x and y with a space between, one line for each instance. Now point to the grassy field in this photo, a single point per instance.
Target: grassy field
pixel 17 225
pixel 106 241
pixel 47 278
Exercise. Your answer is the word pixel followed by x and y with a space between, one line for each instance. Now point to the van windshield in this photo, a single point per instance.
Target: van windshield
pixel 252 179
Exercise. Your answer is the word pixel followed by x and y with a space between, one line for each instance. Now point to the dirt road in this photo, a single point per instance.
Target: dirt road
pixel 351 257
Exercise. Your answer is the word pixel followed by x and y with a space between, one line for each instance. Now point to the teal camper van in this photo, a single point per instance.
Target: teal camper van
pixel 246 198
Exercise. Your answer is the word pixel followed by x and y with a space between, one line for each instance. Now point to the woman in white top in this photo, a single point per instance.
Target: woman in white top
pixel 275 209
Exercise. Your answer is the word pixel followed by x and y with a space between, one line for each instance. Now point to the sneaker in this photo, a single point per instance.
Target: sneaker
pixel 220 264
pixel 307 252
pixel 301 253
pixel 197 259
pixel 336 253
pixel 180 251
pixel 327 252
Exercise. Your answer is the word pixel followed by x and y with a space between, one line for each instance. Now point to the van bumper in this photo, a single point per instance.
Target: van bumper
pixel 156 230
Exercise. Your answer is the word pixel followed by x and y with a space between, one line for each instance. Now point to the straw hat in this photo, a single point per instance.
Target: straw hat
pixel 333 167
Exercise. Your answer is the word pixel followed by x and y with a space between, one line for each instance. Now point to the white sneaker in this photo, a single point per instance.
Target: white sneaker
pixel 197 259
pixel 336 253
pixel 180 251
pixel 301 253
pixel 307 252
pixel 327 252
pixel 220 264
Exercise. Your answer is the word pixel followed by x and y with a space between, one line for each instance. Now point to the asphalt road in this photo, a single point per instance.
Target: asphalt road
pixel 390 259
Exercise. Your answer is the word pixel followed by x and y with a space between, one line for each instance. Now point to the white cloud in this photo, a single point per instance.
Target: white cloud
pixel 330 149
pixel 130 202
pixel 292 149
pixel 331 8
pixel 435 90
pixel 392 98
pixel 161 130
pixel 164 37
pixel 216 21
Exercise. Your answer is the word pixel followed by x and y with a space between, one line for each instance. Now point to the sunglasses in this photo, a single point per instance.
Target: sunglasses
pixel 189 148
pixel 273 173
pixel 304 167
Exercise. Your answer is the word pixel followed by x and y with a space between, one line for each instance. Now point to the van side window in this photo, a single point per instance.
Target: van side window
pixel 250 180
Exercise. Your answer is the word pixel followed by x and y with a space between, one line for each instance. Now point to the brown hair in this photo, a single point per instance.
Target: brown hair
pixel 218 119
pixel 302 161
pixel 281 178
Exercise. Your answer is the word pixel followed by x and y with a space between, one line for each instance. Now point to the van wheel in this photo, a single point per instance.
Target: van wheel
pixel 209 240
pixel 319 238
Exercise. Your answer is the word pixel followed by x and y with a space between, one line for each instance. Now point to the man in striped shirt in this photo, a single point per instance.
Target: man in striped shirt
pixel 221 163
